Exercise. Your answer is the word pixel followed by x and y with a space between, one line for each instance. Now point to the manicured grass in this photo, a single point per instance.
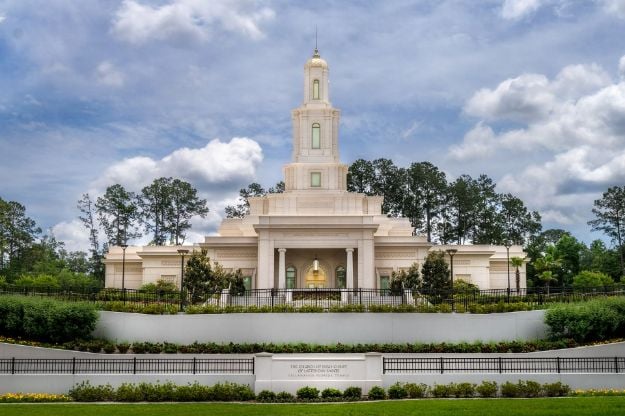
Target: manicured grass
pixel 570 406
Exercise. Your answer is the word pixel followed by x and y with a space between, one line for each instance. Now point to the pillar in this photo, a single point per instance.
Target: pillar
pixel 282 268
pixel 349 268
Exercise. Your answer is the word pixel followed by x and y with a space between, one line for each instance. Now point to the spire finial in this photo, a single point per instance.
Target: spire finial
pixel 316 54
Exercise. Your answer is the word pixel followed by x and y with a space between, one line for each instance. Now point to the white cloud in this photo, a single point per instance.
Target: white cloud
pixel 73 234
pixel 213 165
pixel 107 74
pixel 187 20
pixel 575 122
pixel 517 9
pixel 621 67
pixel 616 7
pixel 2 18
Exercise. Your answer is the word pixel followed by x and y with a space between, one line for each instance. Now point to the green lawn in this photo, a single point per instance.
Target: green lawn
pixel 591 406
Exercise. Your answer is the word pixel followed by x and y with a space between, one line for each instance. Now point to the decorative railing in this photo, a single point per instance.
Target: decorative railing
pixel 327 298
pixel 127 366
pixel 411 365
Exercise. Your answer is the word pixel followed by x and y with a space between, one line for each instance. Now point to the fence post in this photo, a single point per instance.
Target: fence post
pixel 13 365
pixel 134 365
pixel 73 365
pixel 558 364
pixel 194 365
pixel 500 365
pixel 442 365
pixel 616 365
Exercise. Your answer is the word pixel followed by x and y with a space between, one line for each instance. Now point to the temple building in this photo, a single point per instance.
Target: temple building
pixel 315 234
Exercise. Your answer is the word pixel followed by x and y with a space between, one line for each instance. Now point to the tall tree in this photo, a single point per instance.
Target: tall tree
pixel 388 183
pixel 360 177
pixel 242 208
pixel 185 204
pixel 426 189
pixel 517 222
pixel 118 214
pixel 155 202
pixel 17 231
pixel 610 218
pixel 87 217
pixel 435 272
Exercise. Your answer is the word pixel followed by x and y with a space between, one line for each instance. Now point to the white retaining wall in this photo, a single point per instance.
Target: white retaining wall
pixel 322 328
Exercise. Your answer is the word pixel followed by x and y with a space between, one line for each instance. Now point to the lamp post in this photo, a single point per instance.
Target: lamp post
pixel 124 247
pixel 452 252
pixel 508 245
pixel 182 252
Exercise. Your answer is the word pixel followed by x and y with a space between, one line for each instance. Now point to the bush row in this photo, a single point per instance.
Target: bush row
pixel 226 392
pixel 46 319
pixel 97 345
pixel 589 321
pixel 33 398
pixel 166 392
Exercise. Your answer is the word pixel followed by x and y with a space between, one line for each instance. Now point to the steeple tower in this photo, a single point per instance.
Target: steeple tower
pixel 315 162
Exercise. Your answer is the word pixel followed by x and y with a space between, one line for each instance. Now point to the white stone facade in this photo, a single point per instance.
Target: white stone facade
pixel 275 246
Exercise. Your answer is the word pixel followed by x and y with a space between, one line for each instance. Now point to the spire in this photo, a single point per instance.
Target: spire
pixel 316 53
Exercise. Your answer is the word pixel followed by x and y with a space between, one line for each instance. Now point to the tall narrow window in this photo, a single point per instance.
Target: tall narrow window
pixel 316 136
pixel 315 179
pixel 341 278
pixel 316 89
pixel 291 277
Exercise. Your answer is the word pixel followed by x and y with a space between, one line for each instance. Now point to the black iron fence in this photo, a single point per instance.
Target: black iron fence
pixel 329 298
pixel 409 365
pixel 127 366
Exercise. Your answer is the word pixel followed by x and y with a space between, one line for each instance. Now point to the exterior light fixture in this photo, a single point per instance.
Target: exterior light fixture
pixel 315 265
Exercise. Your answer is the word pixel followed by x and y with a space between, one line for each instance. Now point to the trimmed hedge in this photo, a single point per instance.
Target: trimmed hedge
pixel 595 320
pixel 45 319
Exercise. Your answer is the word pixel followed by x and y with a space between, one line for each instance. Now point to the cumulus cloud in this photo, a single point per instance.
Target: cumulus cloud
pixel 73 234
pixel 193 20
pixel 517 9
pixel 107 74
pixel 218 163
pixel 2 18
pixel 576 121
pixel 616 7
pixel 621 67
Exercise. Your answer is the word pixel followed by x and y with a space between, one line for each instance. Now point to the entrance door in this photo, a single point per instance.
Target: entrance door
pixel 315 279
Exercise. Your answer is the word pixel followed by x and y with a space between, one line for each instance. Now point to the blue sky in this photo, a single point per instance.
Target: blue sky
pixel 529 92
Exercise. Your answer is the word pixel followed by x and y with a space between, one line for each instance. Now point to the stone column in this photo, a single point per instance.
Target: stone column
pixel 349 269
pixel 282 268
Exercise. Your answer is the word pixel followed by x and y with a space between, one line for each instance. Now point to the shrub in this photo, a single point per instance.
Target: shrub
pixel 128 392
pixel 587 279
pixel 556 389
pixel 442 390
pixel 33 397
pixel 45 319
pixel 266 396
pixel 464 390
pixel 397 391
pixel 487 389
pixel 331 393
pixel 139 347
pixel 85 392
pixel 416 391
pixel 529 388
pixel 377 393
pixel 307 393
pixel 352 393
pixel 109 347
pixel 509 389
pixel 123 347
pixel 590 321
pixel 227 392
pixel 284 397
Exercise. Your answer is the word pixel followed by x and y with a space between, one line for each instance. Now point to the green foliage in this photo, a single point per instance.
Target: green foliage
pixel 45 319
pixel 609 214
pixel 509 389
pixel 556 389
pixel 589 321
pixel 464 390
pixel 376 393
pixel 307 393
pixel 435 272
pixel 397 391
pixel 118 214
pixel 487 389
pixel 352 393
pixel 284 397
pixel 443 390
pixel 331 393
pixel 529 389
pixel 157 392
pixel 266 396
pixel 160 286
pixel 403 279
pixel 587 279
pixel 416 391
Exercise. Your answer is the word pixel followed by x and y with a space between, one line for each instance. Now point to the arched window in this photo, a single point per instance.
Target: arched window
pixel 341 280
pixel 316 136
pixel 291 277
pixel 316 89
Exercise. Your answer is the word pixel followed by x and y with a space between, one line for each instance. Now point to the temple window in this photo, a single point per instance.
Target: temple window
pixel 316 136
pixel 291 277
pixel 316 89
pixel 341 278
pixel 315 179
